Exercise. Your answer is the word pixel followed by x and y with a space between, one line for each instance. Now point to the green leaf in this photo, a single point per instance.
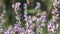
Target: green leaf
pixel 31 12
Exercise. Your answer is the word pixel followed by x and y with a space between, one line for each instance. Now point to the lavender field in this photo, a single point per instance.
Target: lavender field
pixel 29 16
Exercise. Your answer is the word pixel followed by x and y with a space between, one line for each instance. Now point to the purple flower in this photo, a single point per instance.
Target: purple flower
pixel 34 18
pixel 51 24
pixel 13 6
pixel 25 17
pixel 53 12
pixel 30 21
pixel 1 29
pixel 49 27
pixel 30 27
pixel 18 3
pixel 10 30
pixel 38 5
pixel 15 24
pixel 42 19
pixel 16 27
pixel 22 30
pixel 6 32
pixel 25 5
pixel 29 32
pixel 44 14
pixel 16 6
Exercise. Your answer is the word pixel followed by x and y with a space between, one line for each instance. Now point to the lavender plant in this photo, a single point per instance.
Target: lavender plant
pixel 55 16
pixel 52 27
pixel 41 23
pixel 16 7
pixel 32 22
pixel 25 11
pixel 37 8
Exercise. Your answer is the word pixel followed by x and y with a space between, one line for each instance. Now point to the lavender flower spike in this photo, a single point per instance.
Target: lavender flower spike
pixel 16 27
pixel 16 6
pixel 38 5
pixel 25 5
